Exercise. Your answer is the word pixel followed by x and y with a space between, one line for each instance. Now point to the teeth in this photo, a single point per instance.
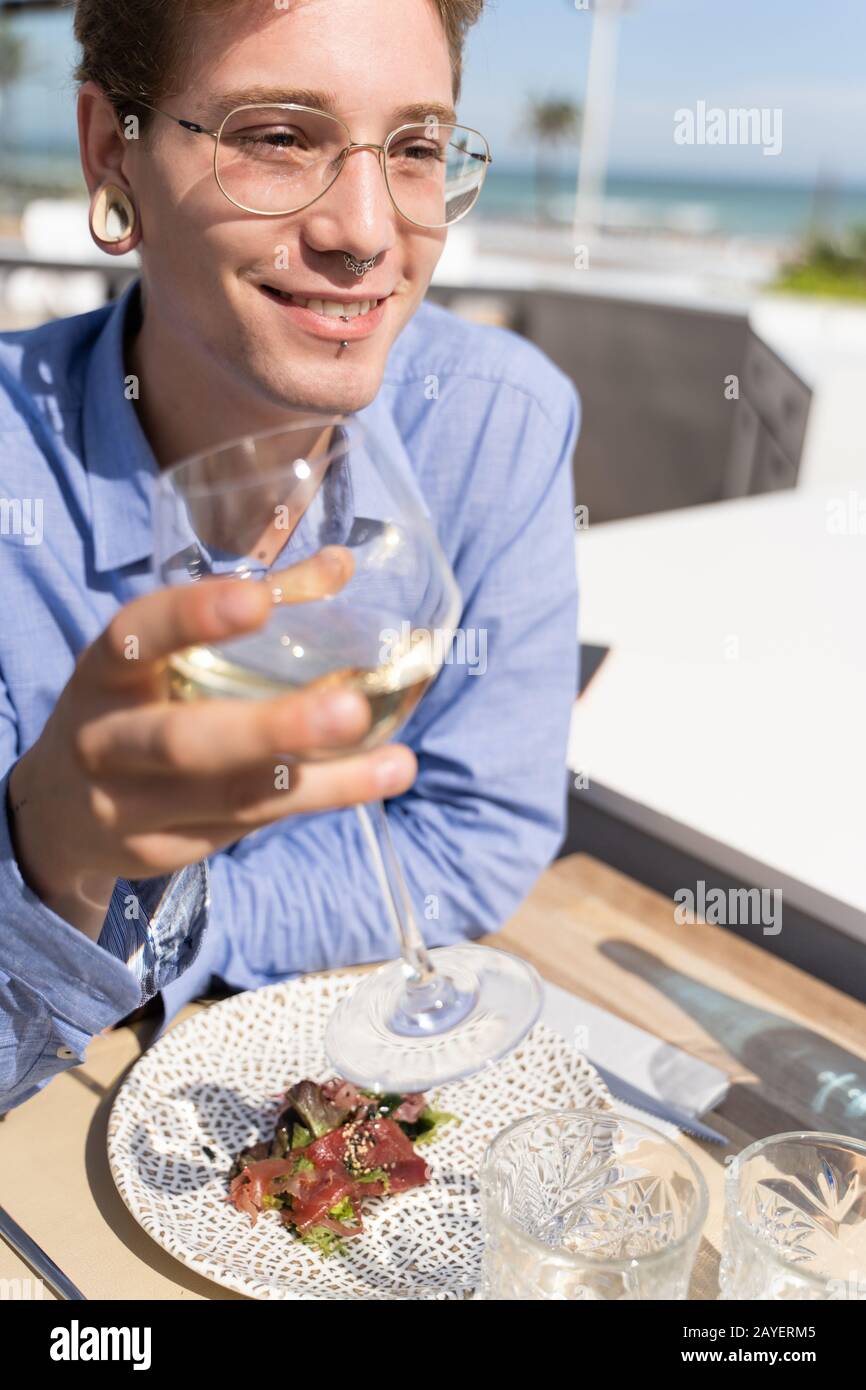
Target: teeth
pixel 331 308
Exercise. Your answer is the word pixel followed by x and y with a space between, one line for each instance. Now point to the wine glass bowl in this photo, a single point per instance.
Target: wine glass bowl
pixel 308 510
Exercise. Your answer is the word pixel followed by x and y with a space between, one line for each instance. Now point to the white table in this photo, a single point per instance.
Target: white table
pixel 729 718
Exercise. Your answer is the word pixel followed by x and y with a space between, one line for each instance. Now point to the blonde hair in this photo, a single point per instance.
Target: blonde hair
pixel 133 48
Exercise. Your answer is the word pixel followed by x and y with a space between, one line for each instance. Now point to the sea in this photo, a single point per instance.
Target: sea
pixel 646 201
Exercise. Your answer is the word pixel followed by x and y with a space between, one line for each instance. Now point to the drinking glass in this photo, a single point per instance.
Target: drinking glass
pixel 255 509
pixel 588 1204
pixel 795 1219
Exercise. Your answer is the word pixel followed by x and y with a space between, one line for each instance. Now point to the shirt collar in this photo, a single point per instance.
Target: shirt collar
pixel 122 469
pixel 120 464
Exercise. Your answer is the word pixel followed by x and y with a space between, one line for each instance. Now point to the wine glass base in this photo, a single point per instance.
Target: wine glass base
pixel 435 1006
pixel 378 1038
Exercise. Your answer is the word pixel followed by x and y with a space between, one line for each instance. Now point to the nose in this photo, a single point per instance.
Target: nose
pixel 356 214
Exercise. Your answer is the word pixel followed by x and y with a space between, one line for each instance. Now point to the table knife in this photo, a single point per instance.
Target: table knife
pixel 653 1105
pixel 36 1258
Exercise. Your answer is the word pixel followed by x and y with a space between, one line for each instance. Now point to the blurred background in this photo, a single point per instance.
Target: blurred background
pixel 676 214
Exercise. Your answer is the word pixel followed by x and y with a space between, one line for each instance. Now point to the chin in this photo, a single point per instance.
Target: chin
pixel 341 391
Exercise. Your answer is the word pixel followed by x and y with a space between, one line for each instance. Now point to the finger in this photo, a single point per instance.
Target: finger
pixel 149 629
pixel 213 737
pixel 340 783
pixel 321 576
pixel 233 806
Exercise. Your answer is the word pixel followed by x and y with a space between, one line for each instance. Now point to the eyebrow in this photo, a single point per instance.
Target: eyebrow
pixel 419 111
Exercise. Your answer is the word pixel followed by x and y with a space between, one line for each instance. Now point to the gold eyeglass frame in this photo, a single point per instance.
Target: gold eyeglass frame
pixel 381 150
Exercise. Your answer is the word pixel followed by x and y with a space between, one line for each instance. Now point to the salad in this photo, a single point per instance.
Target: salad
pixel 334 1147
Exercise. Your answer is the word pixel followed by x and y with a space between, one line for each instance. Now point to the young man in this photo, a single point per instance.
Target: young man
pixel 106 787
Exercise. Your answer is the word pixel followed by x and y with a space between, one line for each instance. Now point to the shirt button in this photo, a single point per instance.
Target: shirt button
pixel 65 1054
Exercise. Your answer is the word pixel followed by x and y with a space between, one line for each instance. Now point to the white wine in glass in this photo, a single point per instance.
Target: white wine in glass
pixel 392 689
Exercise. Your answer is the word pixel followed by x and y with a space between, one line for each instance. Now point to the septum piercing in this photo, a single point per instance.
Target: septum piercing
pixel 358 267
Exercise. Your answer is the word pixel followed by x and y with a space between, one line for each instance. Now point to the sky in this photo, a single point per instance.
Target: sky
pixel 804 58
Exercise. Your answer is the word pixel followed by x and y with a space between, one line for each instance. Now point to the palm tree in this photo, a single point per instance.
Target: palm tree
pixel 550 121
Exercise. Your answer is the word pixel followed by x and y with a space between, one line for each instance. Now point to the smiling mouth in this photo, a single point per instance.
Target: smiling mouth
pixel 329 308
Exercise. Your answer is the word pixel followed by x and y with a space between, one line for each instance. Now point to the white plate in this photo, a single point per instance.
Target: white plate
pixel 216 1080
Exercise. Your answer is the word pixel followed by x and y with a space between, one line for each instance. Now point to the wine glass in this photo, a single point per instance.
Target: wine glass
pixel 256 508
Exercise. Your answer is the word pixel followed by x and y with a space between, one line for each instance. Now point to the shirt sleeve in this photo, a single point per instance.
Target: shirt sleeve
pixel 57 987
pixel 487 811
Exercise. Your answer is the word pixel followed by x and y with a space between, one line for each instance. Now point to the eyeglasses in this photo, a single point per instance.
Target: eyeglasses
pixel 277 159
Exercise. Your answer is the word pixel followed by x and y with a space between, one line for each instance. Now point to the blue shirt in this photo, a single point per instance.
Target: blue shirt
pixel 487 426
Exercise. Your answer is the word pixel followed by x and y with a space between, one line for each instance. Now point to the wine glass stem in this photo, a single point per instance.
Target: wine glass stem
pixel 374 823
pixel 429 1003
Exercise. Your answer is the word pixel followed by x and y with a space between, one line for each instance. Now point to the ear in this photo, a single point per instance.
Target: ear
pixel 100 139
pixel 104 149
